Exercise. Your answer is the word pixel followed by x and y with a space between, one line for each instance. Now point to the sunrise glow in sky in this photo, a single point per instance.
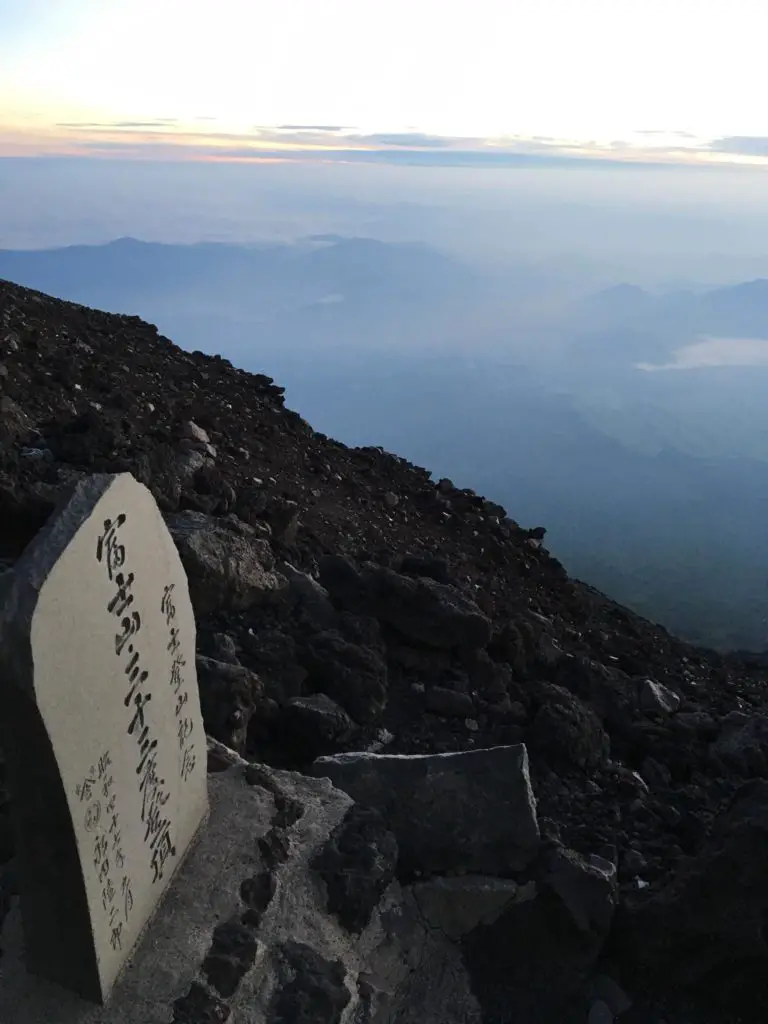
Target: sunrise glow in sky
pixel 673 79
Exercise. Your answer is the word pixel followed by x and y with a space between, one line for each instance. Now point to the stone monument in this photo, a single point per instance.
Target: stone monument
pixel 101 729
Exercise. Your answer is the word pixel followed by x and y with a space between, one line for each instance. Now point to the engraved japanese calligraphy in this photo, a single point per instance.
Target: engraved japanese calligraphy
pixel 179 687
pixel 158 833
pixel 103 638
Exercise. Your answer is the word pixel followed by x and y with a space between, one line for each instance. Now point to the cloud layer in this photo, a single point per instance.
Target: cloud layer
pixel 204 139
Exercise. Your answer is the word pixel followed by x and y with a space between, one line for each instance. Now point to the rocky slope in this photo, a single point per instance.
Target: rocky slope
pixel 348 601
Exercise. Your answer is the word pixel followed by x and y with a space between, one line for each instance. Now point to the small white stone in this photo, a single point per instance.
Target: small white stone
pixel 656 697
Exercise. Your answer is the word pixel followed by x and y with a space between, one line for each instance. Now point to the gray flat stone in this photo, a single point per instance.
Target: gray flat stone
pixel 471 812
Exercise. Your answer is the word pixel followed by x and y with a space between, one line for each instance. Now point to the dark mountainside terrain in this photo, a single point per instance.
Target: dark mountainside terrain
pixel 431 622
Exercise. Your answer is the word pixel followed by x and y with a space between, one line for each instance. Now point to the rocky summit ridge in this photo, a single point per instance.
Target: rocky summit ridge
pixel 347 601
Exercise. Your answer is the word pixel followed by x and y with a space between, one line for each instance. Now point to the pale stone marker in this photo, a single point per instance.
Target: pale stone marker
pixel 102 732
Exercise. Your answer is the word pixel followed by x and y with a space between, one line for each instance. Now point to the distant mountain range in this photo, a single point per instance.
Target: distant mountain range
pixel 363 269
pixel 680 316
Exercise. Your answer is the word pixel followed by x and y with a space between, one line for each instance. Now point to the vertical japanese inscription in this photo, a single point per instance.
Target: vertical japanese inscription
pixel 97 639
pixel 158 828
pixel 101 820
pixel 178 685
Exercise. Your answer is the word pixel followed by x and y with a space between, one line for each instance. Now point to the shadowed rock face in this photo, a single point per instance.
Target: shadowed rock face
pixel 357 864
pixel 433 622
pixel 450 813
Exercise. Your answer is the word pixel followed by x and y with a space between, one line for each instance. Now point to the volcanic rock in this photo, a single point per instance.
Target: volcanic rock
pixel 228 566
pixel 451 813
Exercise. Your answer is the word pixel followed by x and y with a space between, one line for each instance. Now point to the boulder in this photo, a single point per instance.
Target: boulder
pixel 342 581
pixel 743 743
pixel 222 647
pixel 588 888
pixel 314 725
pixel 311 598
pixel 355 677
pixel 228 697
pixel 449 703
pixel 228 566
pixel 192 432
pixel 434 568
pixel 164 472
pixel 311 988
pixel 609 692
pixel 436 614
pixel 533 963
pixel 460 904
pixel 450 813
pixel 703 934
pixel 432 613
pixel 283 516
pixel 14 422
pixel 357 863
pixel 564 730
pixel 23 512
pixel 274 654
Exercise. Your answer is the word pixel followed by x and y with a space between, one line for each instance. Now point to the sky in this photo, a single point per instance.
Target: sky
pixel 417 81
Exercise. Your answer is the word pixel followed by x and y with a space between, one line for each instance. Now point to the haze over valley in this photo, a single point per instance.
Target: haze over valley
pixel 564 340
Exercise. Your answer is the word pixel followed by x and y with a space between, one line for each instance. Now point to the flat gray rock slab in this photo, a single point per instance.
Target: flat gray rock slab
pixel 102 731
pixel 471 812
